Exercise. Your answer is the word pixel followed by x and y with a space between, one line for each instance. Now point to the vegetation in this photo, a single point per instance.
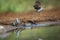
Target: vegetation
pixel 23 5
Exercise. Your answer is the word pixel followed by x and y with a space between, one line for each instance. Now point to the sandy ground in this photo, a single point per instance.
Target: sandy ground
pixel 46 15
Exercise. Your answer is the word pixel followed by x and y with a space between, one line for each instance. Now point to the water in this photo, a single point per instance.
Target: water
pixel 2 32
pixel 4 35
pixel 17 33
pixel 40 39
pixel 29 26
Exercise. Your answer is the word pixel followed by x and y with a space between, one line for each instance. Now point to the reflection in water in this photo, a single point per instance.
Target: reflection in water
pixel 17 33
pixel 4 35
pixel 40 39
pixel 2 32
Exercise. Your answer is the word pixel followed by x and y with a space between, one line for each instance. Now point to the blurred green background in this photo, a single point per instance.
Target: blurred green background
pixel 24 5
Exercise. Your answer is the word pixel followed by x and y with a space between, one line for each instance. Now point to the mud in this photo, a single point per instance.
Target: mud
pixel 46 15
